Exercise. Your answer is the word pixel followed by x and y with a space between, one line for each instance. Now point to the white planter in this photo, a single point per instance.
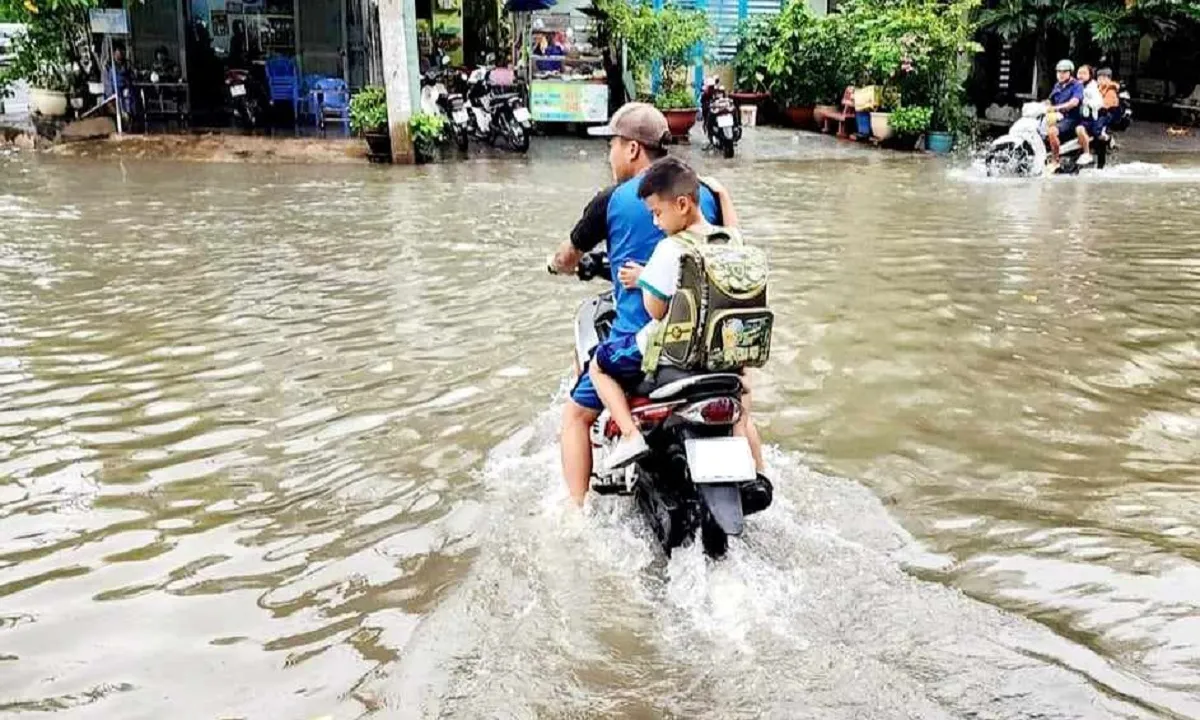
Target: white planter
pixel 881 126
pixel 50 103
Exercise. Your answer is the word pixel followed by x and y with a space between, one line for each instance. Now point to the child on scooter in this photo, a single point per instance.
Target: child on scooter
pixel 671 191
pixel 1110 93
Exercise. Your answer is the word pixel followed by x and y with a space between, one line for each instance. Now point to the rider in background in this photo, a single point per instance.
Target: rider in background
pixel 1064 114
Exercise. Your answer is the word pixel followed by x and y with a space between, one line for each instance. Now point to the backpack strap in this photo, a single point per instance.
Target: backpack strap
pixel 719 236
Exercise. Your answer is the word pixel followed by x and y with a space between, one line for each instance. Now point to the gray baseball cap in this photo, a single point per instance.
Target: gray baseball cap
pixel 639 122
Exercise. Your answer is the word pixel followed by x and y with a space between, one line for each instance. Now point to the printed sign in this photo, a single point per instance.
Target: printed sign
pixel 108 22
pixel 557 101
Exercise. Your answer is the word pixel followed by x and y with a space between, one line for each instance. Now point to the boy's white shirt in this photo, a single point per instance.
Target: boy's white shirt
pixel 659 277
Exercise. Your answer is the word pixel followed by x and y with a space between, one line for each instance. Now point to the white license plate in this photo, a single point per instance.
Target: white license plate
pixel 460 116
pixel 724 121
pixel 237 90
pixel 720 460
pixel 521 114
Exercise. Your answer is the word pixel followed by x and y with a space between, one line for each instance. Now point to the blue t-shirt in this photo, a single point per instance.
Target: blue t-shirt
pixel 618 217
pixel 1064 92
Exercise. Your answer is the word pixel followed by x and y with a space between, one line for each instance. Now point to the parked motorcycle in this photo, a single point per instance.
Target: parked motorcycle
pixel 497 108
pixel 441 93
pixel 246 98
pixel 698 477
pixel 1022 151
pixel 722 122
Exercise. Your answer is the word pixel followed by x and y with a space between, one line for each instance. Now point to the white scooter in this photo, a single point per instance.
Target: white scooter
pixel 1023 150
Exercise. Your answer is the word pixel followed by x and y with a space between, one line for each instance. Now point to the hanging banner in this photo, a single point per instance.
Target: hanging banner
pixel 556 101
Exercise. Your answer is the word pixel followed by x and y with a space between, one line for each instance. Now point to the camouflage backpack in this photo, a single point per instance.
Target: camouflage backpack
pixel 717 320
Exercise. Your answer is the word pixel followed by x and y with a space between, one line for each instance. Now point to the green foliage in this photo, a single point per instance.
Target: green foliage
pixel 1108 22
pixel 42 54
pixel 792 60
pixel 914 49
pixel 669 37
pixel 918 50
pixel 757 37
pixel 368 110
pixel 677 99
pixel 427 131
pixel 910 121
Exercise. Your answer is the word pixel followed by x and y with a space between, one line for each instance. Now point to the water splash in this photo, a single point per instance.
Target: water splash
pixel 1134 171
pixel 811 615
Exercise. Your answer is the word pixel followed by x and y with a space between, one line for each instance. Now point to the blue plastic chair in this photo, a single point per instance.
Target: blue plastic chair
pixel 283 82
pixel 331 98
pixel 307 84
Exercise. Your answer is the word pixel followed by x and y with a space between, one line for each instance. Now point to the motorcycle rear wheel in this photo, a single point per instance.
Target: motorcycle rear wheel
pixel 516 134
pixel 727 148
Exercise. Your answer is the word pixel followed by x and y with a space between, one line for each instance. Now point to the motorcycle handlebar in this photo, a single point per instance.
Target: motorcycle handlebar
pixel 590 267
pixel 593 265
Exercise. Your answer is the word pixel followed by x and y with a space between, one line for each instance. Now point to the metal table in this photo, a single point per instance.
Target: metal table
pixel 164 100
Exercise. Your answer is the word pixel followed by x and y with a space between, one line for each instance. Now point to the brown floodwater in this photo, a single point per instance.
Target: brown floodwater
pixel 279 442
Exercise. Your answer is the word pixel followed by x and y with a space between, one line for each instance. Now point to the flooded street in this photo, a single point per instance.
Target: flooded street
pixel 280 442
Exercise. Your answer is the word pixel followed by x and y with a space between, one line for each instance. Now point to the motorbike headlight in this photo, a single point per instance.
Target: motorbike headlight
pixel 153 77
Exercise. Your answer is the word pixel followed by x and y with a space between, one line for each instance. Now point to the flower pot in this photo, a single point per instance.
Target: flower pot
pixel 49 103
pixel 680 122
pixel 379 146
pixel 863 122
pixel 423 155
pixel 939 142
pixel 749 98
pixel 799 117
pixel 880 127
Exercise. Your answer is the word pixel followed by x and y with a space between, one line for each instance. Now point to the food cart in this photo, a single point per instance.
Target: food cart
pixel 563 70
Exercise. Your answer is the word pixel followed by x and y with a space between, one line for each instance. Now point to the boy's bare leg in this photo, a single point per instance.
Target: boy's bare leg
pixel 613 396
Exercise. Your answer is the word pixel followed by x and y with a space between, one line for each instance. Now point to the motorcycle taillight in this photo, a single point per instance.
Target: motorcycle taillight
pixel 717 411
pixel 647 417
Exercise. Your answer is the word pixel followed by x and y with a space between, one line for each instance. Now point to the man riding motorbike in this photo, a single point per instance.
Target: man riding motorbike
pixel 1065 113
pixel 638 134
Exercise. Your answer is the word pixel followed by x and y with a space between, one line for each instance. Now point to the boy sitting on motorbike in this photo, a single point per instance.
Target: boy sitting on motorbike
pixel 1110 93
pixel 671 191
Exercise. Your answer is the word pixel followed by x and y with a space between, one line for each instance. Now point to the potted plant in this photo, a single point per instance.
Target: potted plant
pixel 833 65
pixel 426 131
pixel 793 63
pixel 881 126
pixel 41 56
pixel 756 39
pixel 679 107
pixel 369 118
pixel 909 123
pixel 666 38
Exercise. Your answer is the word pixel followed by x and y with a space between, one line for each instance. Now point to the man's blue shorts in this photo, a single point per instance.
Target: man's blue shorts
pixel 1066 128
pixel 619 358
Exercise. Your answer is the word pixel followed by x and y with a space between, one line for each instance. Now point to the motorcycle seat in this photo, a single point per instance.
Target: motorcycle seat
pixel 672 384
